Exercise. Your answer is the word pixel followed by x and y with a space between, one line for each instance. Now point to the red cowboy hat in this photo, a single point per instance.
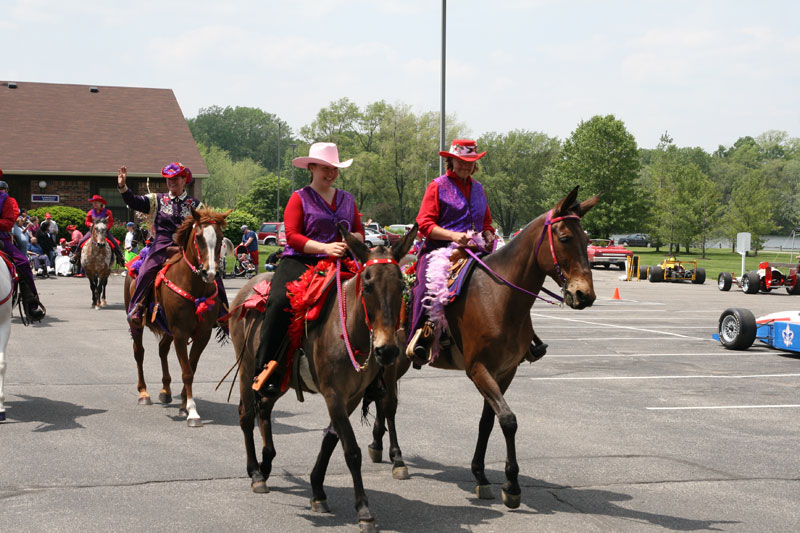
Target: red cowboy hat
pixel 97 198
pixel 47 215
pixel 464 149
pixel 71 227
pixel 173 170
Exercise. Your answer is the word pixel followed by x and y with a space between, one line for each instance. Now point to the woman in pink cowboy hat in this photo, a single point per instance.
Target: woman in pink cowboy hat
pixel 311 234
pixel 454 203
pixel 99 210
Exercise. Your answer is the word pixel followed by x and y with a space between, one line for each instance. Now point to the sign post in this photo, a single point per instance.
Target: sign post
pixel 743 246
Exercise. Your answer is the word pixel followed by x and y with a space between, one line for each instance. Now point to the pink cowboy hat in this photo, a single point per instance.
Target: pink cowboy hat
pixel 322 154
pixel 464 149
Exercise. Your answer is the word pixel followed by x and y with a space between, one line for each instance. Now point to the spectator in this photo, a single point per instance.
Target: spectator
pixel 53 224
pixel 75 235
pixel 41 260
pixel 130 253
pixel 21 238
pixel 33 227
pixel 46 241
pixel 250 241
pixel 273 259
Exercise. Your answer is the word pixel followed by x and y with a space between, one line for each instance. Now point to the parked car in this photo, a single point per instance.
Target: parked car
pixel 282 235
pixel 634 239
pixel 374 238
pixel 268 233
pixel 605 252
pixel 396 231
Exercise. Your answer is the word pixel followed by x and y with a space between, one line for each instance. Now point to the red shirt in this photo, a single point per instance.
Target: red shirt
pixel 428 215
pixel 9 214
pixel 105 213
pixel 293 222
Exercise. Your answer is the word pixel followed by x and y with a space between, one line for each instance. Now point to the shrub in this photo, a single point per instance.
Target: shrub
pixel 236 220
pixel 63 216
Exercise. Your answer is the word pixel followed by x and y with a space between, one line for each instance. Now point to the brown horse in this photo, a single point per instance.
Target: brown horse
pixel 490 324
pixel 373 302
pixel 96 262
pixel 190 276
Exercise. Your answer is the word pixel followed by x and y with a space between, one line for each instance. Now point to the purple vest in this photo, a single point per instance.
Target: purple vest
pixel 319 222
pixel 455 212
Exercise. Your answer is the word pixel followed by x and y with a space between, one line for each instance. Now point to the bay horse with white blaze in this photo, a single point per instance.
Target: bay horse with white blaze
pixel 491 326
pixel 372 304
pixel 96 262
pixel 187 295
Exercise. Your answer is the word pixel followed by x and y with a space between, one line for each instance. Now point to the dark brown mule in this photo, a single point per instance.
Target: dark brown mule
pixel 192 272
pixel 330 370
pixel 96 262
pixel 490 323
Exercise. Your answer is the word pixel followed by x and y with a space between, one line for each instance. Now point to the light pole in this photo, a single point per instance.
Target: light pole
pixel 442 131
pixel 278 192
pixel 294 146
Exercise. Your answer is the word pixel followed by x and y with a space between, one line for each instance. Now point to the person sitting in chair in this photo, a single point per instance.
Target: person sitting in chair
pixel 166 211
pixel 41 261
pixel 99 210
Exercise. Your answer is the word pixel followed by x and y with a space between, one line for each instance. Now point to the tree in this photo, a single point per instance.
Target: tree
pixel 601 156
pixel 261 199
pixel 243 132
pixel 751 209
pixel 228 181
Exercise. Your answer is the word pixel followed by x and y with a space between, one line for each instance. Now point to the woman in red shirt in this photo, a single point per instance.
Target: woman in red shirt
pixel 311 218
pixel 99 210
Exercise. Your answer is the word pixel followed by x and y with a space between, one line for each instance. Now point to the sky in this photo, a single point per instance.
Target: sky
pixel 706 72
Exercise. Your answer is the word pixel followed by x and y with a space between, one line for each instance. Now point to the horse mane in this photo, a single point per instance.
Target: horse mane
pixel 205 216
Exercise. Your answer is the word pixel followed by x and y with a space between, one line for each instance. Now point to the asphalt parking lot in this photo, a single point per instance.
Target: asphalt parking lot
pixel 635 420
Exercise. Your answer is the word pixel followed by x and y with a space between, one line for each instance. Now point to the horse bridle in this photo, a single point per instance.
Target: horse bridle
pixel 195 269
pixel 548 225
pixel 343 307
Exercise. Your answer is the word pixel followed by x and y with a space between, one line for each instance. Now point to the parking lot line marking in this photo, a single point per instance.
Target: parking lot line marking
pixel 623 327
pixel 776 406
pixel 638 354
pixel 709 376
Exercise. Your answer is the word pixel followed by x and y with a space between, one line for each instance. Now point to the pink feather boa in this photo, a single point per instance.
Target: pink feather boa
pixel 436 291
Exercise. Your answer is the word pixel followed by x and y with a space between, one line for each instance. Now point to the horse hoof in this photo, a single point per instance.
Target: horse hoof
pixel 260 487
pixel 320 506
pixel 97 307
pixel 145 400
pixel 366 527
pixel 484 492
pixel 375 455
pixel 164 397
pixel 400 472
pixel 194 422
pixel 183 412
pixel 103 304
pixel 511 500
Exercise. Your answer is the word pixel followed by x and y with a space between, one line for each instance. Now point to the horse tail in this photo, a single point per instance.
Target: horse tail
pixel 365 410
pixel 236 364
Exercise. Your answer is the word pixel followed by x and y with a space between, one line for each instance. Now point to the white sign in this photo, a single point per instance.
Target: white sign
pixel 743 242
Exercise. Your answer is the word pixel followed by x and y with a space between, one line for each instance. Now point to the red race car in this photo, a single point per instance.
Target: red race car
pixel 605 252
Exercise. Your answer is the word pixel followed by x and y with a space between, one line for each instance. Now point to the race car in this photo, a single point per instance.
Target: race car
pixel 738 329
pixel 671 269
pixel 767 278
pixel 605 252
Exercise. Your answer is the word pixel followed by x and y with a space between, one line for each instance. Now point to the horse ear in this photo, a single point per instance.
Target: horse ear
pixel 359 249
pixel 587 205
pixel 195 214
pixel 401 247
pixel 564 205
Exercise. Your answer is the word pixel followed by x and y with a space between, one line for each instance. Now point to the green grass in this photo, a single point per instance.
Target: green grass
pixel 264 251
pixel 717 260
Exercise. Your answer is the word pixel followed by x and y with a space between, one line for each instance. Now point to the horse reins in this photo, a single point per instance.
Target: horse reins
pixel 548 228
pixel 343 307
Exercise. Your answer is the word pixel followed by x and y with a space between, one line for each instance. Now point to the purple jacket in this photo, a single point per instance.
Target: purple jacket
pixel 319 222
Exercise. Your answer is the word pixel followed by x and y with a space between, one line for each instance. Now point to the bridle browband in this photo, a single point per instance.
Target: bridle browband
pixel 548 225
pixel 195 269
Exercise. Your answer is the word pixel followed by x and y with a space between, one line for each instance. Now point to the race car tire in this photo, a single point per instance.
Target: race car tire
pixel 795 289
pixel 642 272
pixel 751 283
pixel 737 329
pixel 699 276
pixel 724 281
pixel 656 274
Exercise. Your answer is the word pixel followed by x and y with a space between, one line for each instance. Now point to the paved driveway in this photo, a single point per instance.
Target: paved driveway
pixel 634 421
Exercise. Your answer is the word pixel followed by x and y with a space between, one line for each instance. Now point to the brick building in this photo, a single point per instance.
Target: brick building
pixel 60 144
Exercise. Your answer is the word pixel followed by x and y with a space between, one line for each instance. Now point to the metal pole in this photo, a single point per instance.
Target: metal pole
pixel 293 148
pixel 278 194
pixel 442 131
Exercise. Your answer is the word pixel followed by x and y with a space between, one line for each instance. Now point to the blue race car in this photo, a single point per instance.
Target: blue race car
pixel 739 329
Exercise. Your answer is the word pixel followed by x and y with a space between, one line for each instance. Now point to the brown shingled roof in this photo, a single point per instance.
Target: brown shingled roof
pixel 52 127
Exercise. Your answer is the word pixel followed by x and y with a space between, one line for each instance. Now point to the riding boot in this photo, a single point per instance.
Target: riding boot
pixel 76 257
pixel 536 350
pixel 135 317
pixel 33 308
pixel 419 349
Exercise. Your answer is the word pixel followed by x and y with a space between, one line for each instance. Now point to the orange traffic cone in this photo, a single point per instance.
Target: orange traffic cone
pixel 616 295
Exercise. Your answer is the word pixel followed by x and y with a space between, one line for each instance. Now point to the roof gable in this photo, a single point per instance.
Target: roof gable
pixel 72 129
